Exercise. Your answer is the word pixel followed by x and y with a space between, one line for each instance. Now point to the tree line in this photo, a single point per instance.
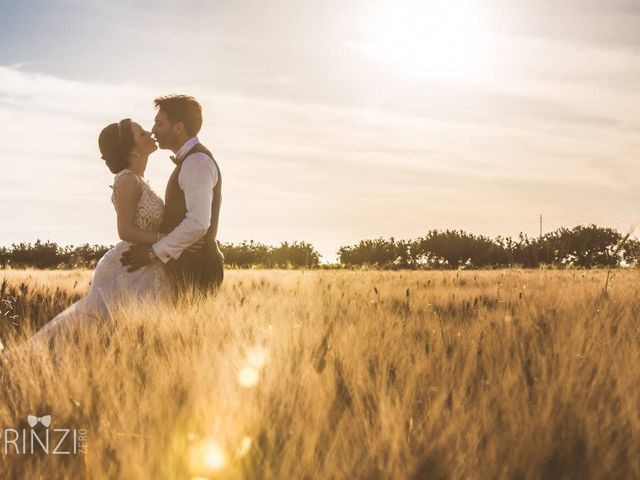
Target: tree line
pixel 49 255
pixel 582 246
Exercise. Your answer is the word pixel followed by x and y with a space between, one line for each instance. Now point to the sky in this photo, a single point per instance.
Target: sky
pixel 331 121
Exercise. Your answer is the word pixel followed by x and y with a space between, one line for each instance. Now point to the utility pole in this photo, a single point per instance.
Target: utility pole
pixel 540 225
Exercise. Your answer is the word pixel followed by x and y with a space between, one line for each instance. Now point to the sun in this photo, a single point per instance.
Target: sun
pixel 439 39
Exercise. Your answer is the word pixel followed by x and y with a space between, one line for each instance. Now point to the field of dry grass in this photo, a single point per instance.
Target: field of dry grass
pixel 345 375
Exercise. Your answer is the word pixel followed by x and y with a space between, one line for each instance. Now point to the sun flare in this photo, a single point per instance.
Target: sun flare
pixel 205 458
pixel 447 40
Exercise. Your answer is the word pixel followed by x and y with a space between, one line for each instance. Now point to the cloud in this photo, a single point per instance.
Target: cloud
pixel 604 24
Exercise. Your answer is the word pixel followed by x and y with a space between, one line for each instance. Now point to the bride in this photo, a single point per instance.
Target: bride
pixel 125 147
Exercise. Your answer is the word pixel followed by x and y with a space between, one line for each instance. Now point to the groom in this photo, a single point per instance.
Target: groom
pixel 189 250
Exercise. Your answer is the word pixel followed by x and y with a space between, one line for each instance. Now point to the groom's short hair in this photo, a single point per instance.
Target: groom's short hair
pixel 182 108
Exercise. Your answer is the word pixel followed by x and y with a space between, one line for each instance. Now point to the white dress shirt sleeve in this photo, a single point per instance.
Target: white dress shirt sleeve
pixel 197 178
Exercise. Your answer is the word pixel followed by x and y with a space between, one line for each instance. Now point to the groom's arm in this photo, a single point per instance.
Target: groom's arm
pixel 197 178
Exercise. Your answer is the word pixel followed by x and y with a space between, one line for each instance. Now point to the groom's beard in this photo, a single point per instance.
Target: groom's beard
pixel 162 144
pixel 166 144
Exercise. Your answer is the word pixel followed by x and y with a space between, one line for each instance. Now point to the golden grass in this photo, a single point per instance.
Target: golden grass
pixel 299 374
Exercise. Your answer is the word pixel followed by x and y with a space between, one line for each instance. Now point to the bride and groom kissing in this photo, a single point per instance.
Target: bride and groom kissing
pixel 167 248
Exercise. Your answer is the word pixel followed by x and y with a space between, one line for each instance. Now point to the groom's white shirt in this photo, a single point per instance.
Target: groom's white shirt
pixel 197 178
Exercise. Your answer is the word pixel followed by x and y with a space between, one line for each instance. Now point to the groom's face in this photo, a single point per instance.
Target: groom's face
pixel 164 132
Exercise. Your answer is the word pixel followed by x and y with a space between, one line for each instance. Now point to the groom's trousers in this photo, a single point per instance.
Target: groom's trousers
pixel 200 271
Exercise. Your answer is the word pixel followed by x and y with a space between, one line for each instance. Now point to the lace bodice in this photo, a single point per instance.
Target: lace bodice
pixel 150 207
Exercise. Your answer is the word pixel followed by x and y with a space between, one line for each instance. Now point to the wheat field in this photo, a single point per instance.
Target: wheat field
pixel 337 375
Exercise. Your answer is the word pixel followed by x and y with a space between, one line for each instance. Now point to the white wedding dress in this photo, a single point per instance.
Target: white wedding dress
pixel 111 283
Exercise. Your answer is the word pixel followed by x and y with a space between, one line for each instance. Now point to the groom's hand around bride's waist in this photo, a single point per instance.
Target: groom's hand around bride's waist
pixel 137 257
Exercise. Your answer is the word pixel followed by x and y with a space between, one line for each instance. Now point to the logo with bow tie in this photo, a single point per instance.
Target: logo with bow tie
pixel 33 420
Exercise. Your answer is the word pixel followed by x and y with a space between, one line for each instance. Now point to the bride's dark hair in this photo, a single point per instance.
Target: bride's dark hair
pixel 115 143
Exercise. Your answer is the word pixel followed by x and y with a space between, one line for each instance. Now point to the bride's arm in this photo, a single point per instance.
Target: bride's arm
pixel 127 193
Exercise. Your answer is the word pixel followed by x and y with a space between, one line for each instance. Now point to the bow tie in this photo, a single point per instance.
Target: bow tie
pixel 33 420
